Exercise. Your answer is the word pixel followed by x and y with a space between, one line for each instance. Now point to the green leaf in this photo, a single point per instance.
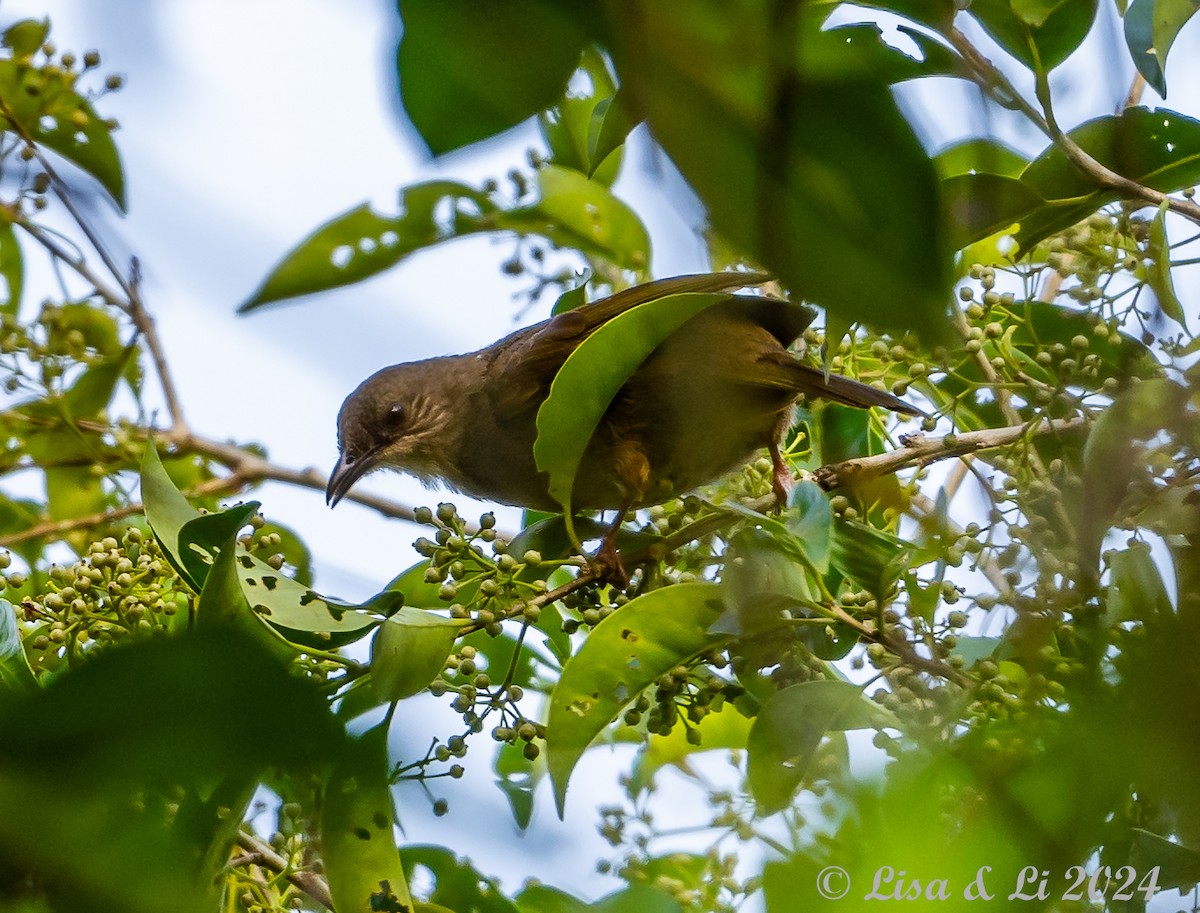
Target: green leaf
pixel 636 898
pixel 15 675
pixel 167 711
pixel 1179 866
pixel 303 615
pixel 785 174
pixel 612 121
pixel 362 243
pixel 1135 591
pixel 937 14
pixel 223 602
pixel 763 575
pixel 979 156
pixel 1110 455
pixel 861 45
pixel 872 559
pixel 575 296
pixel 1159 275
pixel 201 537
pixel 459 886
pixel 724 729
pixel 1159 148
pixel 1039 34
pixel 358 824
pixel 167 511
pixel 979 205
pixel 1035 12
pixel 26 37
pixel 569 126
pixel 810 520
pixel 591 377
pixel 624 653
pixel 1139 38
pixel 408 652
pixel 47 109
pixel 518 777
pixel 12 269
pixel 571 212
pixel 576 212
pixel 973 649
pixel 1150 30
pixel 788 730
pixel 448 62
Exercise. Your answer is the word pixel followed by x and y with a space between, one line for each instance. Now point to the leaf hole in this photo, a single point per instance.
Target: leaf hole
pixel 270 582
pixel 379 819
pixel 362 833
pixel 389 239
pixel 47 124
pixel 581 706
pixel 341 255
pixel 80 138
pixel 367 245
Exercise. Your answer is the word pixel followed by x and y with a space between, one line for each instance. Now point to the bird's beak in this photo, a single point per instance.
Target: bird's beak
pixel 348 471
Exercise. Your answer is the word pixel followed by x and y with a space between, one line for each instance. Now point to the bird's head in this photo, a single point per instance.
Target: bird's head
pixel 396 419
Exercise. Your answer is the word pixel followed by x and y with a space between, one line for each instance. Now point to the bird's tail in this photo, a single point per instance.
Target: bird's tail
pixel 814 382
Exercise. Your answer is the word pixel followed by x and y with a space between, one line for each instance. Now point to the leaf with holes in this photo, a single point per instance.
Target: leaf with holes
pixel 222 602
pixel 579 213
pixel 45 107
pixel 1159 148
pixel 358 824
pixel 362 243
pixel 626 652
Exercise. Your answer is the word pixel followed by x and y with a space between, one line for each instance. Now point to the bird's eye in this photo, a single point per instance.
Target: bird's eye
pixel 395 414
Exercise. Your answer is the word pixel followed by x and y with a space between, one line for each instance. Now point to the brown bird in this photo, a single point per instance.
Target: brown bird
pixel 717 390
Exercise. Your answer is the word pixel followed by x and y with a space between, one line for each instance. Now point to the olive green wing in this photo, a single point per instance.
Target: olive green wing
pixel 525 363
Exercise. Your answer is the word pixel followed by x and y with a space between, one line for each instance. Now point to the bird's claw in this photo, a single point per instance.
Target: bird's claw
pixel 608 566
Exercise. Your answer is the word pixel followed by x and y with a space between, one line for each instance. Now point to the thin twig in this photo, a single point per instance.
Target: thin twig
pixel 920 450
pixel 149 332
pixel 998 86
pixel 310 883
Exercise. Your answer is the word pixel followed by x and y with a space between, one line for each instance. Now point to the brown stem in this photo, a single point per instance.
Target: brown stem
pixel 149 332
pixel 998 87
pixel 920 450
pixel 310 883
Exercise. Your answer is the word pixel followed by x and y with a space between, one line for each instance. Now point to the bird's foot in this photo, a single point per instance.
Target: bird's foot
pixel 606 563
pixel 781 478
pixel 608 566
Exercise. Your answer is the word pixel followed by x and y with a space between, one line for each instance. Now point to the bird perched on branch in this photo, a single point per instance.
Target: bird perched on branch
pixel 710 395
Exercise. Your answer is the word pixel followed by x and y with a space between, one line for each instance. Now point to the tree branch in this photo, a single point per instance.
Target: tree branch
pixel 310 883
pixel 919 450
pixel 1000 89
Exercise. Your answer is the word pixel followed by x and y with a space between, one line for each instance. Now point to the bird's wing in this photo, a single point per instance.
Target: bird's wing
pixel 524 364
